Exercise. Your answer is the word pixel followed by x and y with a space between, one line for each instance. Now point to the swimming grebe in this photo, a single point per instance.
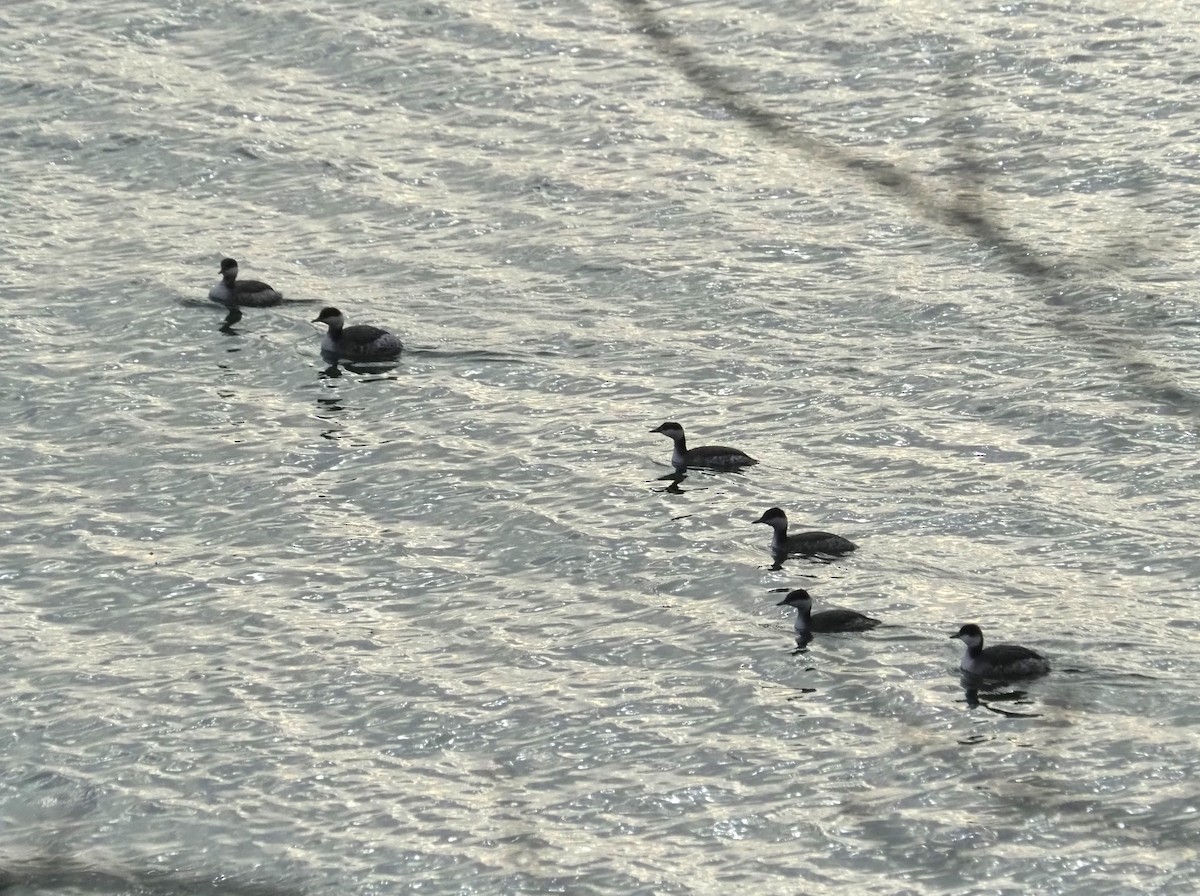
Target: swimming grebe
pixel 247 293
pixel 361 342
pixel 835 620
pixel 715 457
pixel 1000 660
pixel 805 544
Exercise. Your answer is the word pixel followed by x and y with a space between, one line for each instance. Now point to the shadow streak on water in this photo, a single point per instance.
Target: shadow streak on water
pixel 964 214
pixel 52 874
pixel 488 355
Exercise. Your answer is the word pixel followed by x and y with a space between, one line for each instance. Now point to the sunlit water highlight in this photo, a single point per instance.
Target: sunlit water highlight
pixel 444 627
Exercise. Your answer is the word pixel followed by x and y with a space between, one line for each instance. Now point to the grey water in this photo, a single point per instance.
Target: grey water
pixel 443 627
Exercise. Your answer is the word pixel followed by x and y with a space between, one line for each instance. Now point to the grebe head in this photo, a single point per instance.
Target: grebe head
pixel 670 429
pixel 775 518
pixel 970 635
pixel 330 316
pixel 798 598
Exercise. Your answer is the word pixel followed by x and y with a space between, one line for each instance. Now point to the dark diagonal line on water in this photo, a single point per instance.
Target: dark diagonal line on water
pixel 960 215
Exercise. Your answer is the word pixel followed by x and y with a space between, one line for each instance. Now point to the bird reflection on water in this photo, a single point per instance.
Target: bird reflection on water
pixel 996 697
pixel 674 480
pixel 234 315
pixel 327 410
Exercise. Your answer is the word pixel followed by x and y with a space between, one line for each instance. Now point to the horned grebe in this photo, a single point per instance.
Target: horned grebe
pixel 805 544
pixel 248 293
pixel 361 342
pixel 715 457
pixel 1000 660
pixel 835 620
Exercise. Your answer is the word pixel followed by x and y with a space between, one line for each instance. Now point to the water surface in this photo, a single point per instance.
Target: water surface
pixel 443 628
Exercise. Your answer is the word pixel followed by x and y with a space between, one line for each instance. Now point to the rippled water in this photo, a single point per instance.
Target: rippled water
pixel 443 628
